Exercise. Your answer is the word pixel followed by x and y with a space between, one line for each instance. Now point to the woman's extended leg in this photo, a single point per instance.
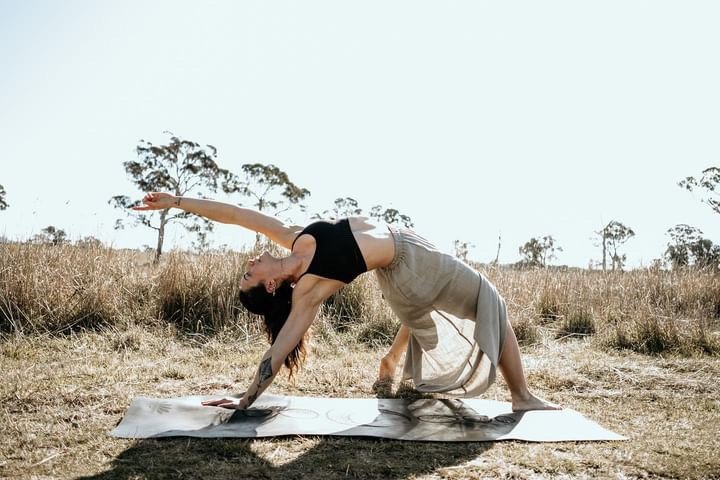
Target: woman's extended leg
pixel 512 371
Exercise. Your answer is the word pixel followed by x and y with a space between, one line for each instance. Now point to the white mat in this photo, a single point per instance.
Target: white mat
pixel 468 420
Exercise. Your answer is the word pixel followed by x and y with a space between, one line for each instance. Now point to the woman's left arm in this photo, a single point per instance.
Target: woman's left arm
pixel 301 317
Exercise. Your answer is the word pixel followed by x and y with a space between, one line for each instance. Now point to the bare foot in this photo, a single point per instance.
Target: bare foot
pixel 382 388
pixel 383 384
pixel 531 402
pixel 387 370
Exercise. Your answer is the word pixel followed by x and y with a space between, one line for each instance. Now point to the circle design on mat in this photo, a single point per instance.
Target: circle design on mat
pixel 350 418
pixel 390 418
pixel 438 418
pixel 301 413
pixel 258 412
pixel 476 419
pixel 504 419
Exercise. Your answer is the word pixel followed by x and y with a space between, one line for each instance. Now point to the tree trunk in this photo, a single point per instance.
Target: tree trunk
pixel 161 236
pixel 604 238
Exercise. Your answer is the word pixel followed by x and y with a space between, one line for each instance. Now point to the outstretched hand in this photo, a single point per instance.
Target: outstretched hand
pixel 157 201
pixel 224 403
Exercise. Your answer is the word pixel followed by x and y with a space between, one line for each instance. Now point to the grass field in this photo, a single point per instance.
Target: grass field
pixel 85 332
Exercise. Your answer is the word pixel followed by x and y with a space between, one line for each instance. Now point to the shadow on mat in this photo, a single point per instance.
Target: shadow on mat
pixel 330 458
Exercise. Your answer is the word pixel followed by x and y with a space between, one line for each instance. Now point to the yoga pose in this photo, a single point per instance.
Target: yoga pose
pixel 454 325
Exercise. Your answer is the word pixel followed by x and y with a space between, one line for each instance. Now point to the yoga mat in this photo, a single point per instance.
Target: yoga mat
pixel 467 420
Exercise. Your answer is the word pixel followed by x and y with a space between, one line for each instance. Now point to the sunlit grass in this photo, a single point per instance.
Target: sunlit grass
pixel 84 330
pixel 53 289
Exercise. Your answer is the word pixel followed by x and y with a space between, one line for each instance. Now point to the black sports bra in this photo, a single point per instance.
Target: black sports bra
pixel 337 254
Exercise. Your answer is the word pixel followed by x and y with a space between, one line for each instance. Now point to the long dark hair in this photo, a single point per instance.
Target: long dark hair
pixel 275 309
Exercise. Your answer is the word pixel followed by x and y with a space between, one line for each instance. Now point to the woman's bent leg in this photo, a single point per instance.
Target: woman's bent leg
pixel 512 371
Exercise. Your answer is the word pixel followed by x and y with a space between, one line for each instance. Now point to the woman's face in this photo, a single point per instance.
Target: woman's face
pixel 257 271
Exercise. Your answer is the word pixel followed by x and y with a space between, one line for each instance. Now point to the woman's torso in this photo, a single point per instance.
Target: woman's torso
pixel 374 242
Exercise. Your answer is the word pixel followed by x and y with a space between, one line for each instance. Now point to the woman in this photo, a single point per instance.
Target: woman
pixel 454 323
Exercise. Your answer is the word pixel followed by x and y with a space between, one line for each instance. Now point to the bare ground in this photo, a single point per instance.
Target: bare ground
pixel 62 395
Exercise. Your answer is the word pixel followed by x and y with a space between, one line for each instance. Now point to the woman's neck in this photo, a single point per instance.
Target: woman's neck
pixel 291 267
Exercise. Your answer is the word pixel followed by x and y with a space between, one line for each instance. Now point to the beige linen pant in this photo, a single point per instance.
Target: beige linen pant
pixel 456 317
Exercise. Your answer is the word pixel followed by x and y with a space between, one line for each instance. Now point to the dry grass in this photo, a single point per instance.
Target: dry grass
pixel 88 329
pixel 68 288
pixel 647 311
pixel 65 288
pixel 62 395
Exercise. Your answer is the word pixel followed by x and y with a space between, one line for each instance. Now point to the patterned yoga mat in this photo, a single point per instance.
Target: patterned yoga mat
pixel 467 420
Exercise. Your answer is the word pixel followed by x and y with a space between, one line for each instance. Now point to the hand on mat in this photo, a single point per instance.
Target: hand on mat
pixel 156 201
pixel 225 403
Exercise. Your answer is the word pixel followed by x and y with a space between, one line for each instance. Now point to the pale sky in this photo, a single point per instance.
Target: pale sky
pixel 473 118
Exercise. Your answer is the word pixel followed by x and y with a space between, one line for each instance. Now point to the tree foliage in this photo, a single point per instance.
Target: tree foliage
pixel 3 202
pixel 182 167
pixel 537 252
pixel 391 216
pixel 709 181
pixel 343 207
pixel 269 188
pixel 462 249
pixel 51 235
pixel 348 207
pixel 89 242
pixel 613 236
pixel 687 247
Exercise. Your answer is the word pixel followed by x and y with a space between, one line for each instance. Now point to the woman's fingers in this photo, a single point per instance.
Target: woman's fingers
pixel 220 403
pixel 151 201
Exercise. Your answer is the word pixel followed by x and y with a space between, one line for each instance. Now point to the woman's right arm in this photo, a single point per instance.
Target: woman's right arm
pixel 271 227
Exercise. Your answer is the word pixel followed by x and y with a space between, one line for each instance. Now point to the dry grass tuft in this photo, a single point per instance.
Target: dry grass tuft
pixel 69 288
pixel 579 320
pixel 526 329
pixel 647 311
pixel 199 294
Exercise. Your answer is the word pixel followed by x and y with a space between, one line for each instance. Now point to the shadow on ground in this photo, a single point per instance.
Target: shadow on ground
pixel 326 458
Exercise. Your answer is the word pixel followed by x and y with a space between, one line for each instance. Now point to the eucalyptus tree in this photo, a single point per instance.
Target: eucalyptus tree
pixel 391 216
pixel 612 237
pixel 348 207
pixel 462 249
pixel 343 207
pixel 709 181
pixel 3 202
pixel 181 167
pixel 537 252
pixel 51 235
pixel 688 247
pixel 269 189
pixel 615 235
